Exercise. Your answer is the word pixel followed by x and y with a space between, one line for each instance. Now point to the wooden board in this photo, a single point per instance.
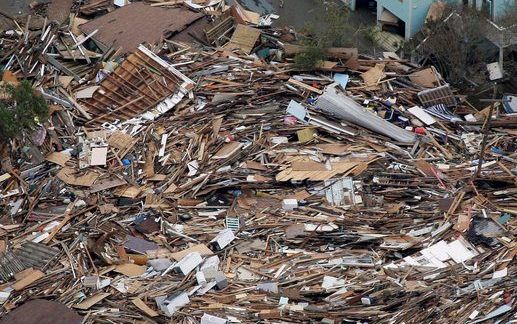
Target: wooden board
pixel 27 279
pixel 243 38
pixel 89 302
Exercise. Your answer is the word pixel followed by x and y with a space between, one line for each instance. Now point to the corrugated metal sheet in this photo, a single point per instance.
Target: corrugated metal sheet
pixel 36 255
pixel 344 107
pixel 9 265
pixel 31 254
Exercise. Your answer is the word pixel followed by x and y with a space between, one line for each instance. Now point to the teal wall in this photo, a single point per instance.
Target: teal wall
pixel 419 13
pixel 501 7
pixel 411 12
pixel 399 8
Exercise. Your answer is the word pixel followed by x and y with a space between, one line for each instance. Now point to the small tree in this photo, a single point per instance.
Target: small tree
pixel 20 111
pixel 509 17
pixel 457 45
pixel 334 27
pixel 311 56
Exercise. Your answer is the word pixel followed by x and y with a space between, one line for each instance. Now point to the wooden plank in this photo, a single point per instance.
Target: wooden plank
pixel 89 302
pixel 28 279
pixel 61 67
pixel 75 103
pixel 304 86
pixel 66 219
pixel 103 116
pixel 143 307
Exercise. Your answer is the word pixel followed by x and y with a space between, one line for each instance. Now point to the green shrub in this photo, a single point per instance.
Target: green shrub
pixel 311 56
pixel 20 111
pixel 334 27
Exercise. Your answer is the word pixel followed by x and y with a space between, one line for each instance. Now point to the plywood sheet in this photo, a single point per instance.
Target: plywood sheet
pixel 201 248
pixel 243 38
pixel 71 177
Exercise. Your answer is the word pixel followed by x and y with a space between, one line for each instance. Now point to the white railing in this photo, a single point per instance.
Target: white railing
pixel 501 36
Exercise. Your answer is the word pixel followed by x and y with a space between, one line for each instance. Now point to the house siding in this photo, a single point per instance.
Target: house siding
pixel 501 7
pixel 411 12
pixel 414 12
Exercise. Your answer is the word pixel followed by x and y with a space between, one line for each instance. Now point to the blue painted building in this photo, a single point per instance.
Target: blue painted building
pixel 494 8
pixel 497 8
pixel 410 13
pixel 405 16
pixel 408 16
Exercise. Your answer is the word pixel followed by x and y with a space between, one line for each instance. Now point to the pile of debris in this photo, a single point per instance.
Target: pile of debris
pixel 220 184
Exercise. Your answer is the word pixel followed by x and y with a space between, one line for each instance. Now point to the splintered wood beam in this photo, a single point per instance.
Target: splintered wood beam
pixel 152 64
pixel 103 116
pixel 132 74
pixel 125 85
pixel 121 103
pixel 61 67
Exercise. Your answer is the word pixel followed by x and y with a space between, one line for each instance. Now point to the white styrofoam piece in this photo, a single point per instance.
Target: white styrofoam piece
pixel 224 238
pixel 289 204
pixel 211 319
pixel 169 307
pixel 189 262
pixel 422 115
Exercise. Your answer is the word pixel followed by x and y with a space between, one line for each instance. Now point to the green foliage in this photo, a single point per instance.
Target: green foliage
pixel 456 46
pixel 21 111
pixel 330 30
pixel 311 56
pixel 334 27
pixel 371 33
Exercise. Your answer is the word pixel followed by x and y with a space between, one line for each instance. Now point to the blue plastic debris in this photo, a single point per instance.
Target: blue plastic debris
pixel 497 150
pixel 342 79
pixel 504 218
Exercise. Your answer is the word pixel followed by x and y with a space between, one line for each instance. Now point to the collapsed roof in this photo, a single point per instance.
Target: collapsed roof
pixel 133 24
